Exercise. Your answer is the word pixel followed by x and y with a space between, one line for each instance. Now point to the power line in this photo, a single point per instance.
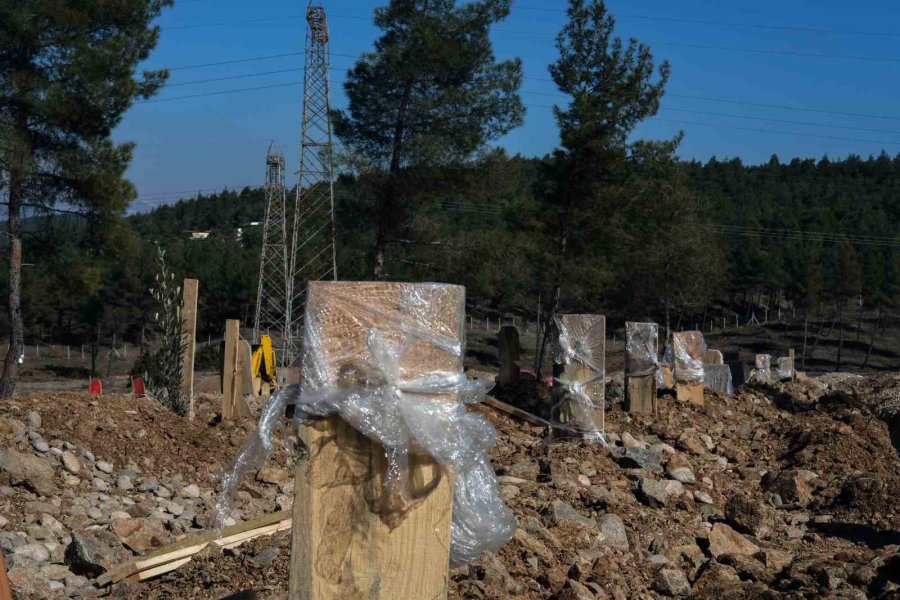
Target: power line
pixel 233 62
pixel 799 29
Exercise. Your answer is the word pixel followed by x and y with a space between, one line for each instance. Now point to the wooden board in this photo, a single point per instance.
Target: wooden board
pixel 515 411
pixel 235 372
pixel 245 367
pixel 640 394
pixel 508 349
pixel 190 545
pixel 352 538
pixel 593 329
pixel 189 296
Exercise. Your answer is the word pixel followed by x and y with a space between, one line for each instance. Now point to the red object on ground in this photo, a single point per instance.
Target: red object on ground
pixel 96 387
pixel 137 387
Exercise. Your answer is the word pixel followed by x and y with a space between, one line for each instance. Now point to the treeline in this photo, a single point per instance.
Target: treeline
pixel 808 236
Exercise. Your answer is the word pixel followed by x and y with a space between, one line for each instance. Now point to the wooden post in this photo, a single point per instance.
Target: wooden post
pixel 689 347
pixel 793 359
pixel 352 539
pixel 233 384
pixel 590 331
pixel 190 291
pixel 508 348
pixel 641 361
pixel 713 357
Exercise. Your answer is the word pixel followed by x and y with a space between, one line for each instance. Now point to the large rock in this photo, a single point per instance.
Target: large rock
pixel 640 458
pixel 92 553
pixel 790 485
pixel 28 582
pixel 273 475
pixel 28 470
pixel 653 493
pixel 35 551
pixel 671 582
pixel 613 527
pixel 750 516
pixel 70 462
pixel 725 540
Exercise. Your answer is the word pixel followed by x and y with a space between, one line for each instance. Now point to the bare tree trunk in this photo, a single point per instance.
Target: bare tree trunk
pixel 14 301
pixel 878 320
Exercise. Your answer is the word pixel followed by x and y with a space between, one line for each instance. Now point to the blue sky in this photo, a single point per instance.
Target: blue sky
pixel 828 57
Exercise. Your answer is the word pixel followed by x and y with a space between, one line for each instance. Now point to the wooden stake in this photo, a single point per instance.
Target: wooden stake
pixel 508 347
pixel 233 403
pixel 352 539
pixel 189 295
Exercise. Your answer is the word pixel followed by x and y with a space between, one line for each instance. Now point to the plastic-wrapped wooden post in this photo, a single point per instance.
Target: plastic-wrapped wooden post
pixel 641 360
pixel 352 539
pixel 589 332
pixel 690 350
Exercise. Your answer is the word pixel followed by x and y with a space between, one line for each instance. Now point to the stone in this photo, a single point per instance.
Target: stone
pixel 774 559
pixel 525 470
pixel 673 487
pixel 703 497
pixel 148 485
pixel 725 540
pixel 51 523
pixel 641 458
pixel 123 483
pixel 690 443
pixel 70 462
pixel 29 471
pixel 34 419
pixel 563 512
pixel 749 516
pixel 55 572
pixel 613 527
pixel 28 582
pixel 94 512
pixel 266 557
pixel 99 485
pixel 273 475
pixel 92 553
pixel 190 491
pixel 671 582
pixel 790 485
pixel 145 538
pixel 40 445
pixel 630 441
pixel 535 546
pixel 124 526
pixel 162 492
pixel 682 474
pixel 651 492
pixel 104 467
pixel 35 551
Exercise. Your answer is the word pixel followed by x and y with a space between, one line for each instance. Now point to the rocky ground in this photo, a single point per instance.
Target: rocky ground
pixel 786 491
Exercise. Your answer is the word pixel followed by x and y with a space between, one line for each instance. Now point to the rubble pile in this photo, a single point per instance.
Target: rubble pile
pixel 780 491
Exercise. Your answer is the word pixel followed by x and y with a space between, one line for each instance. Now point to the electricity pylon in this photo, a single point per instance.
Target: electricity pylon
pixel 312 255
pixel 271 295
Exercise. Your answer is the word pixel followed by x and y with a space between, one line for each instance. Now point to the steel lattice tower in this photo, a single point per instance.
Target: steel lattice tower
pixel 312 254
pixel 272 294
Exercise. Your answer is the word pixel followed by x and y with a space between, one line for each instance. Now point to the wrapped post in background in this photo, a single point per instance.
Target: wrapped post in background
pixel 397 453
pixel 763 368
pixel 641 365
pixel 689 350
pixel 579 370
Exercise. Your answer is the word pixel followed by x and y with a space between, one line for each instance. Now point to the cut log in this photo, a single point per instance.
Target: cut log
pixel 352 537
pixel 640 394
pixel 689 350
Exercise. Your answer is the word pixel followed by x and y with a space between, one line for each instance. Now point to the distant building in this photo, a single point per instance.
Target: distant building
pixel 198 235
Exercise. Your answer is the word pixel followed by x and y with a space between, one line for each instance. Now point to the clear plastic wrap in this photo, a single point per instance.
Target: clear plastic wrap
pixel 379 385
pixel 667 360
pixel 641 349
pixel 718 379
pixel 785 369
pixel 581 340
pixel 689 350
pixel 763 368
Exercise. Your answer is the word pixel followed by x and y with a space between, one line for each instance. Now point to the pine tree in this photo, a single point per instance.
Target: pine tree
pixel 430 94
pixel 67 74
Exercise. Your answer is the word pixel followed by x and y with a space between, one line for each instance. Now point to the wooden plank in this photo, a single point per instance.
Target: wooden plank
pixel 515 411
pixel 189 295
pixel 231 374
pixel 591 331
pixel 353 539
pixel 690 392
pixel 508 349
pixel 190 545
